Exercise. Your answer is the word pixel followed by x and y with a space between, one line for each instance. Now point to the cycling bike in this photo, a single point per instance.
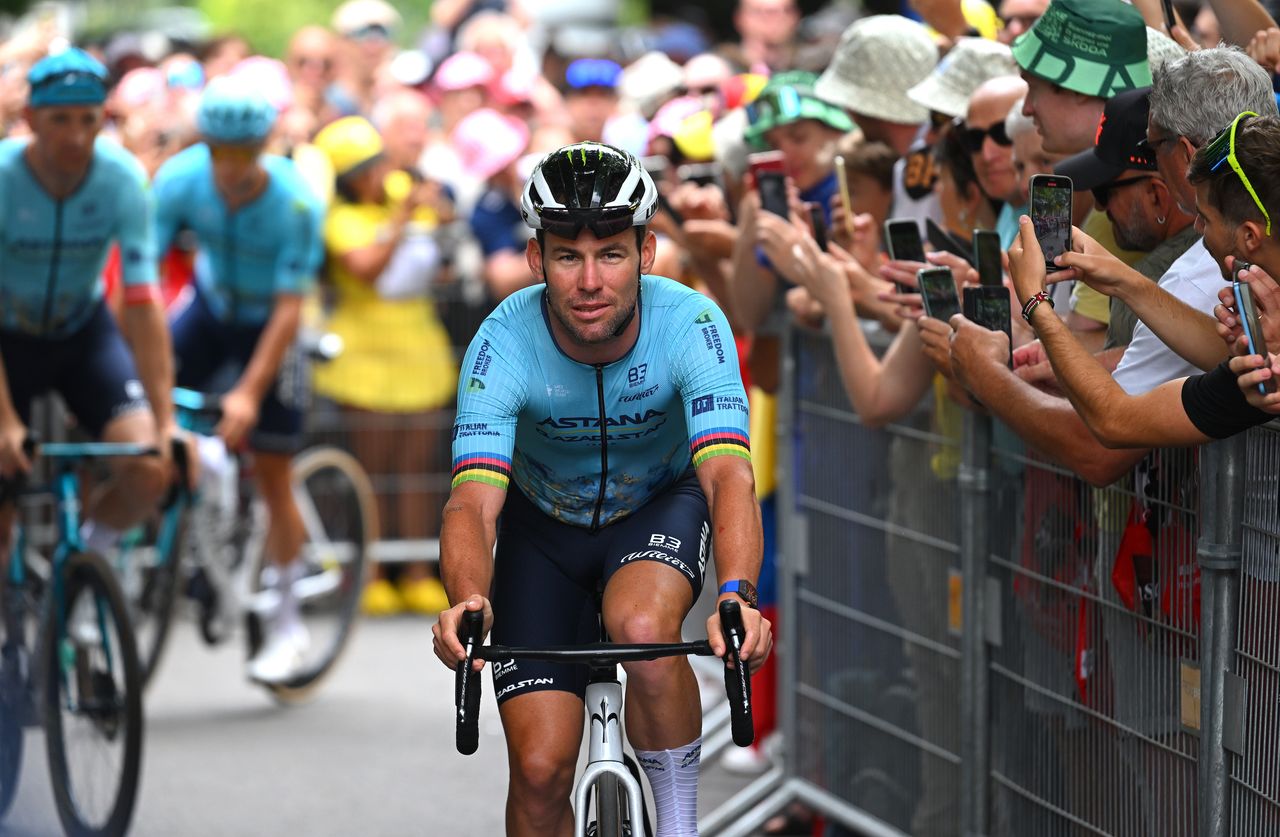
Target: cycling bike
pixel 67 655
pixel 610 784
pixel 211 549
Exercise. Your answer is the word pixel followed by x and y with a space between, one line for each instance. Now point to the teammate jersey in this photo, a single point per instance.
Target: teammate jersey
pixel 270 246
pixel 590 444
pixel 52 251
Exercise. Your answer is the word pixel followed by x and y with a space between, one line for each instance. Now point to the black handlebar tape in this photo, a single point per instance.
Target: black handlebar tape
pixel 466 695
pixel 737 680
pixel 182 464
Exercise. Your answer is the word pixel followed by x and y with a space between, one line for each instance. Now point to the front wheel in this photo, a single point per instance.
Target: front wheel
pixel 336 503
pixel 92 701
pixel 148 568
pixel 610 806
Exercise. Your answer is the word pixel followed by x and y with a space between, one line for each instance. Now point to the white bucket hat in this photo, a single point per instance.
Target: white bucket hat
pixel 970 63
pixel 879 58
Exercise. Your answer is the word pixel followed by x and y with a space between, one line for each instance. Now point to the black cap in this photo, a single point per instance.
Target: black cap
pixel 1119 145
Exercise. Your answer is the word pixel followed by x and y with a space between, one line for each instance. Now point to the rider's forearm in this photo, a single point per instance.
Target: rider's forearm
pixel 148 335
pixel 1191 333
pixel 735 517
pixel 466 550
pixel 275 340
pixel 7 411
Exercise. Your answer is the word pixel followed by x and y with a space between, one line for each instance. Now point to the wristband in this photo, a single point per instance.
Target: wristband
pixel 1036 299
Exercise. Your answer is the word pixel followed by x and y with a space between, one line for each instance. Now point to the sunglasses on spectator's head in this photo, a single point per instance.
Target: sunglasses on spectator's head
pixel 776 105
pixel 973 138
pixel 372 32
pixel 1223 150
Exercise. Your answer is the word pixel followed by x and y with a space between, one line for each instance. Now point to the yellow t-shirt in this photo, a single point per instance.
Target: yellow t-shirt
pixel 396 356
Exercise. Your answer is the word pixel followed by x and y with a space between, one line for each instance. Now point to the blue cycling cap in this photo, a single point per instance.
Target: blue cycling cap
pixel 593 72
pixel 70 77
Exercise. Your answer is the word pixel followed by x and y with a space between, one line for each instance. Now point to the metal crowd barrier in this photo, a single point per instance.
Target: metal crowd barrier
pixel 974 641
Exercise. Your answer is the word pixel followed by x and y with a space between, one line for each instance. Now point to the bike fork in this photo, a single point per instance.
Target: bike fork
pixel 604 754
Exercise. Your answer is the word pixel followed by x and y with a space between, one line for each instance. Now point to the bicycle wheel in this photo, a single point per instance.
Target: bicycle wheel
pixel 338 511
pixel 147 565
pixel 10 755
pixel 610 807
pixel 92 701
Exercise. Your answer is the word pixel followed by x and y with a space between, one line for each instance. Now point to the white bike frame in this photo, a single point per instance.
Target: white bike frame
pixel 604 755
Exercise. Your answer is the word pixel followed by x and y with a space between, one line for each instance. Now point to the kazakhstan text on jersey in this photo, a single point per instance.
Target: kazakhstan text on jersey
pixel 591 444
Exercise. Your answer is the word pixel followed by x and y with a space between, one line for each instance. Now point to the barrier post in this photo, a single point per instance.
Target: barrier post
pixel 1222 467
pixel 975 520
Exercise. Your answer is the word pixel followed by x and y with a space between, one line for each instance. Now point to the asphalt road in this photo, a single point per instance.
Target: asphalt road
pixel 371 754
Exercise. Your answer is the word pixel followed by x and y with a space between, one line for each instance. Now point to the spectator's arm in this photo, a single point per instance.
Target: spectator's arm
pixel 1240 20
pixel 506 272
pixel 750 287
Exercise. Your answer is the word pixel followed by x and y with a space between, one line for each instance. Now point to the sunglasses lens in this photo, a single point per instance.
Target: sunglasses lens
pixel 999 135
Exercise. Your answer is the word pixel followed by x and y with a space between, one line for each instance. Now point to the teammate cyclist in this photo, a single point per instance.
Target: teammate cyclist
pixel 601 437
pixel 258 227
pixel 65 196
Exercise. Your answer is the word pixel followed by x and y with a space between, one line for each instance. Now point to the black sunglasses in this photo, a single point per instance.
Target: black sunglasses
pixel 603 223
pixel 1102 194
pixel 972 138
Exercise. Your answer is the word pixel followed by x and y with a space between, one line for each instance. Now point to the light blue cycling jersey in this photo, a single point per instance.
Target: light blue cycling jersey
pixel 52 251
pixel 270 246
pixel 590 444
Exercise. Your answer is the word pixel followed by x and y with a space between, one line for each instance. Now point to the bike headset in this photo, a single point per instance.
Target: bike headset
pixel 231 112
pixel 593 186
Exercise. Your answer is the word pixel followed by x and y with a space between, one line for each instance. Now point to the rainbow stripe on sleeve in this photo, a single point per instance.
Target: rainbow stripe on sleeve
pixel 719 441
pixel 490 468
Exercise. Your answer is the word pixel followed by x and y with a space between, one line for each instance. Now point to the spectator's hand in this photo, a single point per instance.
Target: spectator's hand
pixel 1031 364
pixel 1266 299
pixel 1183 38
pixel 1097 268
pixel 782 240
pixel 709 238
pixel 961 271
pixel 1264 48
pixel 816 272
pixel 902 273
pixel 906 306
pixel 936 337
pixel 865 246
pixel 702 203
pixel 1252 370
pixel 806 310
pixel 975 350
pixel 444 633
pixel 13 460
pixel 1026 262
pixel 239 416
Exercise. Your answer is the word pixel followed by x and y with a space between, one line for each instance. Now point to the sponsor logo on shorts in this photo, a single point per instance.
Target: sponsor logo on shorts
pixel 133 389
pixel 504 667
pixel 524 684
pixel 659 555
pixel 661 541
pixel 703 540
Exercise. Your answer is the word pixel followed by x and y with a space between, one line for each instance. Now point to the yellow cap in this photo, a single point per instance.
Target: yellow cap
pixel 694 139
pixel 349 142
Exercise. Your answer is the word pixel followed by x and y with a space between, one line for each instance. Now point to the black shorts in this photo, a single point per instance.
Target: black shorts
pixel 547 573
pixel 209 352
pixel 93 371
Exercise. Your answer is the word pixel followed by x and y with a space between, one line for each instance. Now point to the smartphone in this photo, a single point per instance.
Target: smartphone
pixel 1051 215
pixel 818 220
pixel 942 240
pixel 1249 321
pixel 842 181
pixel 656 165
pixel 986 252
pixel 989 307
pixel 769 171
pixel 703 174
pixel 903 236
pixel 938 293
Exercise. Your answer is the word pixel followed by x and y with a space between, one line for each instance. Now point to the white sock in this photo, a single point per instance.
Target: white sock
pixel 673 777
pixel 289 617
pixel 98 537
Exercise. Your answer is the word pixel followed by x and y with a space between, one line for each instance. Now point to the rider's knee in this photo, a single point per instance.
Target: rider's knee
pixel 145 477
pixel 542 776
pixel 642 626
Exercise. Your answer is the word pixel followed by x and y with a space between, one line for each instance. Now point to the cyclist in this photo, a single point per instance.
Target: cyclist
pixel 258 226
pixel 65 195
pixel 601 436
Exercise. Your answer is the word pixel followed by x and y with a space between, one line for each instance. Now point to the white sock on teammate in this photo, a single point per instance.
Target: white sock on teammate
pixel 673 776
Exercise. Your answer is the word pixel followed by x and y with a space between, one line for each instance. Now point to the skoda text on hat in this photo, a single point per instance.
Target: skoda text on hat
pixel 1093 47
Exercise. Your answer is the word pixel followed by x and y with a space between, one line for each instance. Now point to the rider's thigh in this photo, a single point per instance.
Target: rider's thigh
pixel 143 476
pixel 544 735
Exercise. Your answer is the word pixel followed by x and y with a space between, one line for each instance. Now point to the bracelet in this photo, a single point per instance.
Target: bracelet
pixel 1036 299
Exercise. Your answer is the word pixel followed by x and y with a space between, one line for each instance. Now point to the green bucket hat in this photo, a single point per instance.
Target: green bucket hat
pixel 787 98
pixel 1094 47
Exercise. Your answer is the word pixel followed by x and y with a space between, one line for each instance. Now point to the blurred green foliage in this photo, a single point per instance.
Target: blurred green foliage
pixel 14 8
pixel 269 25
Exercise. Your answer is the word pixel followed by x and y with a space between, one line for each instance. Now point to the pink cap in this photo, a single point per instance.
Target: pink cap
pixel 269 76
pixel 462 70
pixel 142 86
pixel 487 142
pixel 514 87
pixel 667 120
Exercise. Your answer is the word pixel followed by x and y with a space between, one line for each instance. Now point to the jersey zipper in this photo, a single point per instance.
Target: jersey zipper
pixel 604 446
pixel 52 288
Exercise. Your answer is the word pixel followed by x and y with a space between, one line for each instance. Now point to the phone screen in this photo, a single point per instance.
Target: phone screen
pixel 1249 321
pixel 989 307
pixel 904 240
pixel 773 192
pixel 818 220
pixel 938 293
pixel 1051 215
pixel 986 249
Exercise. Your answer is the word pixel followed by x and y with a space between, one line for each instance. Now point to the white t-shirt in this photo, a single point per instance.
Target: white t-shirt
pixel 1194 278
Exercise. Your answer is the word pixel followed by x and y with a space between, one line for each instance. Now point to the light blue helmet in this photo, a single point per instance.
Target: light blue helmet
pixel 232 112
pixel 69 77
